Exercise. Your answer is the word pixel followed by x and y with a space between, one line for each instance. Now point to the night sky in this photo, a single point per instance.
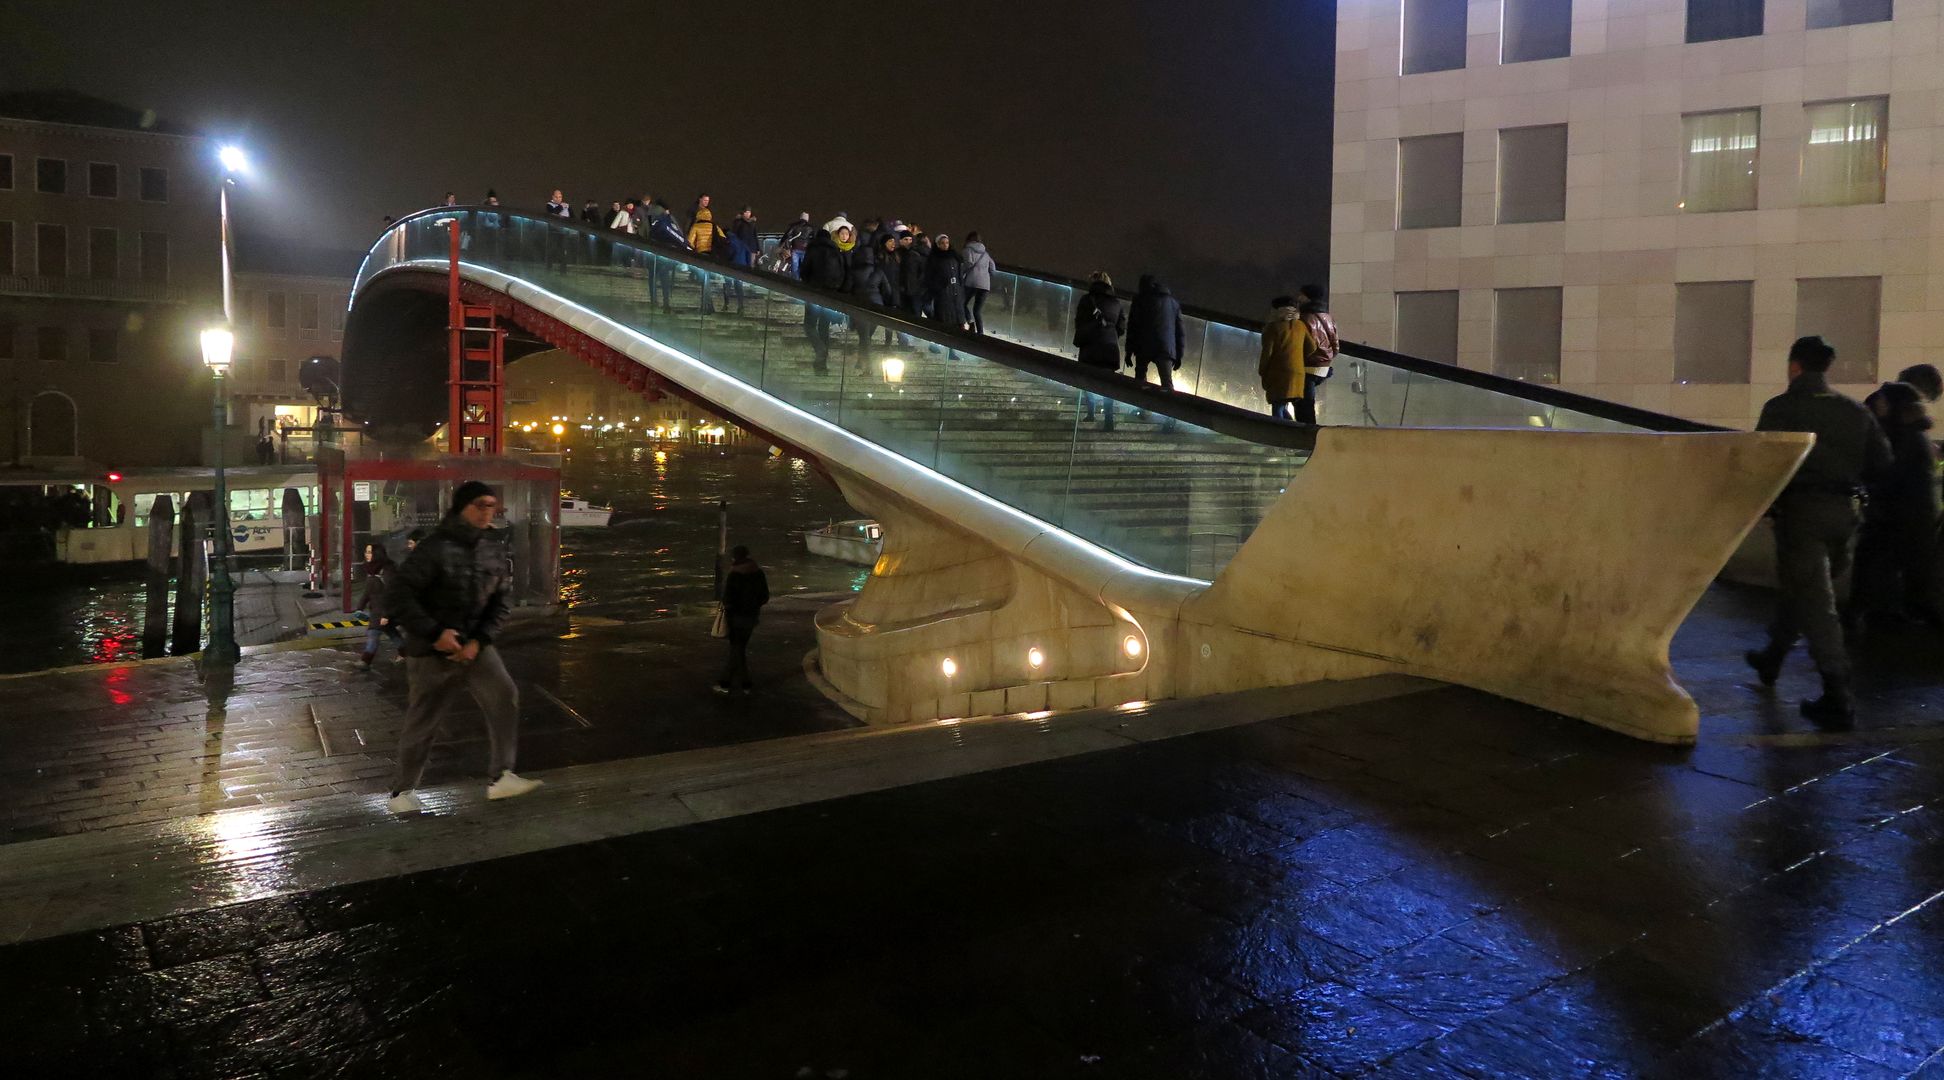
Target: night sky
pixel 1190 138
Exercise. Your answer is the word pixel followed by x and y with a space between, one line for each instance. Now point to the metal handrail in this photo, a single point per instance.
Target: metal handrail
pixel 1201 412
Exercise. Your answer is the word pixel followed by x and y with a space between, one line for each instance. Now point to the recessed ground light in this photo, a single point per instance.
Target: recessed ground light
pixel 949 666
pixel 1034 657
pixel 1131 645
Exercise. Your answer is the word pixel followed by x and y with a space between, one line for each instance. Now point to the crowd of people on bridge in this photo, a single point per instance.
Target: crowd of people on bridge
pixel 886 262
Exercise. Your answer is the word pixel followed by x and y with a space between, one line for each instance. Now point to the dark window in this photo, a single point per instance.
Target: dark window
pixel 155 185
pixel 1825 13
pixel 307 311
pixel 50 250
pixel 1434 35
pixel 155 256
pixel 50 176
pixel 104 344
pixel 7 340
pixel 1525 334
pixel 6 172
pixel 103 180
pixel 104 254
pixel 1714 20
pixel 1427 325
pixel 1846 312
pixel 1713 331
pixel 1430 180
pixel 6 249
pixel 1532 174
pixel 277 369
pixel 276 309
pixel 1536 30
pixel 51 343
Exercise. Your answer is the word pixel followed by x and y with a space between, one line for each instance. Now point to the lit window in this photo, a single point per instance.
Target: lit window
pixel 1713 331
pixel 1718 166
pixel 1843 156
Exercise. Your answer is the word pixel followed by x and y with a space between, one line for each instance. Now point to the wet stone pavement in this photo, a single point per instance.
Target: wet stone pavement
pixel 91 749
pixel 1437 884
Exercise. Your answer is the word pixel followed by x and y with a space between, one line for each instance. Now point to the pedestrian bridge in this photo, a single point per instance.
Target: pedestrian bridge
pixel 1444 523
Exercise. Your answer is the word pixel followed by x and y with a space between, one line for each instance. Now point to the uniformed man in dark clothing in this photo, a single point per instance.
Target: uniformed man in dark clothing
pixel 1815 520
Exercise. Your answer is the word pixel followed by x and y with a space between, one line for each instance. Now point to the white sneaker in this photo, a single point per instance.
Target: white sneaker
pixel 405 802
pixel 510 785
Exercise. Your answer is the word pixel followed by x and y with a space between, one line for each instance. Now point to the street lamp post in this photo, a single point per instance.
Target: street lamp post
pixel 218 344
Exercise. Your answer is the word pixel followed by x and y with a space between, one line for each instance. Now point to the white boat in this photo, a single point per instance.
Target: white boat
pixel 860 541
pixel 575 513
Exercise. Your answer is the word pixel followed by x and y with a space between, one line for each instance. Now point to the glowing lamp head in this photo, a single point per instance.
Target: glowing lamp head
pixel 949 666
pixel 217 344
pixel 1131 645
pixel 1034 657
pixel 560 429
pixel 233 159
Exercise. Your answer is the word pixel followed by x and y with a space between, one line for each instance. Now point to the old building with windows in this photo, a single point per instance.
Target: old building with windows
pixel 290 303
pixel 108 268
pixel 1643 200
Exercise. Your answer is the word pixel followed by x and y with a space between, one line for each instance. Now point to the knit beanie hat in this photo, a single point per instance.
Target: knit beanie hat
pixel 465 493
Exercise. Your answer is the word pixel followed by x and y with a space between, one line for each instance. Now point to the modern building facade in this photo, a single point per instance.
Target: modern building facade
pixel 1642 200
pixel 108 268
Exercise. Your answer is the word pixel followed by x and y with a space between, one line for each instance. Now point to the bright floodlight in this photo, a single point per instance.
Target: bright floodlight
pixel 233 159
pixel 217 343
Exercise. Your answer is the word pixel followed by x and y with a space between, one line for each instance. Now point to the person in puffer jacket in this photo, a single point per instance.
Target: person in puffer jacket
pixel 451 601
pixel 978 280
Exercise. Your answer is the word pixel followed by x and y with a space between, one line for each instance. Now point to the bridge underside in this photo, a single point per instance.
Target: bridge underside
pixel 1548 567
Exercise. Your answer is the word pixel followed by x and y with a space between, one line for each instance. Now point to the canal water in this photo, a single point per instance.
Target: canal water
pixel 656 555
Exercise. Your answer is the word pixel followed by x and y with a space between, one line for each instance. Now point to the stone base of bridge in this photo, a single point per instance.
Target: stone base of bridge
pixel 1547 567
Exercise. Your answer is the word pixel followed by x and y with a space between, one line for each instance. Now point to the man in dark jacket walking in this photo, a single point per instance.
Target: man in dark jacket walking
pixel 451 602
pixel 745 589
pixel 824 267
pixel 1815 520
pixel 1099 322
pixel 1154 333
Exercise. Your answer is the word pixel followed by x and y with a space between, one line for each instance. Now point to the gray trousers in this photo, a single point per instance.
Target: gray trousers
pixel 433 681
pixel 1812 550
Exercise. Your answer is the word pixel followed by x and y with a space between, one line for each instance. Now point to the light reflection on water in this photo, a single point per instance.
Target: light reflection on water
pixel 61 615
pixel 660 551
pixel 659 554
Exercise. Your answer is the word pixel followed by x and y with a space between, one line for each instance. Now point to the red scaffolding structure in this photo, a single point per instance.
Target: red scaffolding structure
pixel 476 380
